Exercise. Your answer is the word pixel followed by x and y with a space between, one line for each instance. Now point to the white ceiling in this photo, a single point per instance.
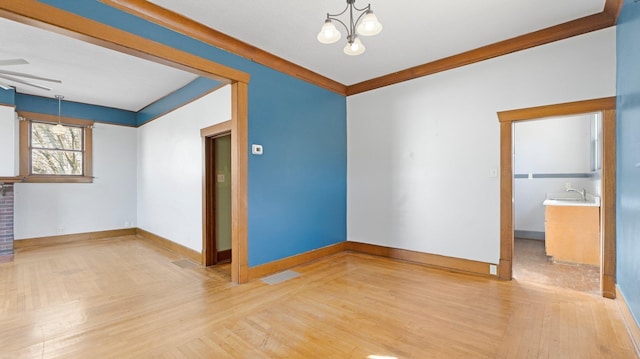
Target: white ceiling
pixel 415 32
pixel 89 73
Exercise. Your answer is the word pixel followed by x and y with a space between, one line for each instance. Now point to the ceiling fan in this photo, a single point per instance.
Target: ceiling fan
pixel 12 76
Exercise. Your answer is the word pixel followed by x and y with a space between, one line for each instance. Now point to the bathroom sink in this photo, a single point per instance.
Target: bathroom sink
pixel 572 201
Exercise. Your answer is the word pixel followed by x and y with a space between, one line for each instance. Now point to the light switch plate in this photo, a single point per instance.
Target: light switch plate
pixel 256 149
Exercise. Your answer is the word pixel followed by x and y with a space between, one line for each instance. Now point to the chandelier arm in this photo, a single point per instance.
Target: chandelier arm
pixel 343 11
pixel 366 8
pixel 361 15
pixel 340 21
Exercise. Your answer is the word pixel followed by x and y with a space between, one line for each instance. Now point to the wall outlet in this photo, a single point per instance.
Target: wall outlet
pixel 493 172
pixel 127 224
pixel 59 230
pixel 567 185
pixel 493 269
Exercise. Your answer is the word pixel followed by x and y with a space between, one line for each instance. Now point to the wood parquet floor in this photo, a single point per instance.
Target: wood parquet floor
pixel 125 298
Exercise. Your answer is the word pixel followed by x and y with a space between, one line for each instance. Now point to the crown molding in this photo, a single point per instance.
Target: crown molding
pixel 550 34
pixel 166 18
pixel 198 31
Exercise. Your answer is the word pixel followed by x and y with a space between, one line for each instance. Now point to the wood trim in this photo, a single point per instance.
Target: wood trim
pixel 169 245
pixel 6 258
pixel 43 117
pixel 633 328
pixel 198 31
pixel 68 238
pixel 208 202
pixel 218 129
pixel 550 34
pixel 289 262
pixel 563 109
pixel 88 153
pixel 239 182
pixel 38 14
pixel 612 9
pixel 11 179
pixel 57 179
pixel 505 269
pixel 23 146
pixel 506 118
pixel 432 260
pixel 608 204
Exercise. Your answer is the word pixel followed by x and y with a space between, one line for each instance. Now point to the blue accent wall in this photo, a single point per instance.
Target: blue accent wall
pixel 297 189
pixel 7 97
pixel 628 155
pixel 75 109
pixel 189 92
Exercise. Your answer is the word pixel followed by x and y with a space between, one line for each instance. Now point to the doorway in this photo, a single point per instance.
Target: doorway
pixel 218 172
pixel 217 194
pixel 607 106
pixel 556 231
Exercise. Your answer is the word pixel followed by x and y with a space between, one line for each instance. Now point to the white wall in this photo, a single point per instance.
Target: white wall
pixel 170 169
pixel 49 209
pixel 421 153
pixel 556 145
pixel 8 140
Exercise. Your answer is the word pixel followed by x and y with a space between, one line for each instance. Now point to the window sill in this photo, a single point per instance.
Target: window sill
pixel 57 179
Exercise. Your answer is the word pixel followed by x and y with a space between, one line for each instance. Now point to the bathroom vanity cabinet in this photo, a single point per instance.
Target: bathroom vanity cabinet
pixel 572 233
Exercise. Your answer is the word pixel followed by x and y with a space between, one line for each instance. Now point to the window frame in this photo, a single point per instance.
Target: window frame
pixel 26 118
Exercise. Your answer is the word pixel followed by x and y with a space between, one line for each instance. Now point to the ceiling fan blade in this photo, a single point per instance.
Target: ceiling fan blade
pixel 13 62
pixel 10 78
pixel 28 76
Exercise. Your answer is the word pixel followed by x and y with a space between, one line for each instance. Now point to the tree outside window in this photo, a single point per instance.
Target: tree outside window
pixel 53 154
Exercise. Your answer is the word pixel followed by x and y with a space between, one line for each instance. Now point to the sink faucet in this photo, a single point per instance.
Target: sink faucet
pixel 583 192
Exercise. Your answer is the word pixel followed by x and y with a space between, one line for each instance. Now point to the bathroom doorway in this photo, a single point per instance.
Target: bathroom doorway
pixel 607 106
pixel 557 191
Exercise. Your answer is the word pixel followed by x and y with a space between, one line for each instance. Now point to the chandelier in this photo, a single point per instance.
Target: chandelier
pixel 366 24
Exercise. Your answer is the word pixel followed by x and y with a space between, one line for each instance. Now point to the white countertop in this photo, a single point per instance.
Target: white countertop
pixel 565 200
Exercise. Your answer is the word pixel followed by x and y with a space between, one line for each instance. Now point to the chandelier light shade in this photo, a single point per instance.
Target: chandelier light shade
pixel 354 48
pixel 58 129
pixel 361 22
pixel 329 34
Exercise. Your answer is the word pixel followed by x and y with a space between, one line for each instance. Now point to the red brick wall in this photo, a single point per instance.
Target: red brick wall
pixel 6 222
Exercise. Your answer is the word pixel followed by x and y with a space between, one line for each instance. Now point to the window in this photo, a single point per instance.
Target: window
pixel 49 157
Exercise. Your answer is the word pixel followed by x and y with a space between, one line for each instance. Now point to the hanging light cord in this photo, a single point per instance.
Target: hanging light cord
pixel 59 97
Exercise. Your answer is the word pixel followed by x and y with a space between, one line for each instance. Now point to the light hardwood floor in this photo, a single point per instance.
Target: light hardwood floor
pixel 124 298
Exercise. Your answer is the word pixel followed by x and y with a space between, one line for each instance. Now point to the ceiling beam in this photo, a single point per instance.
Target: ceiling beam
pixel 198 31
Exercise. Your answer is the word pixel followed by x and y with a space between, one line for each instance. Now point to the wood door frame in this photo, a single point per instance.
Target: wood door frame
pixel 50 18
pixel 209 134
pixel 608 204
